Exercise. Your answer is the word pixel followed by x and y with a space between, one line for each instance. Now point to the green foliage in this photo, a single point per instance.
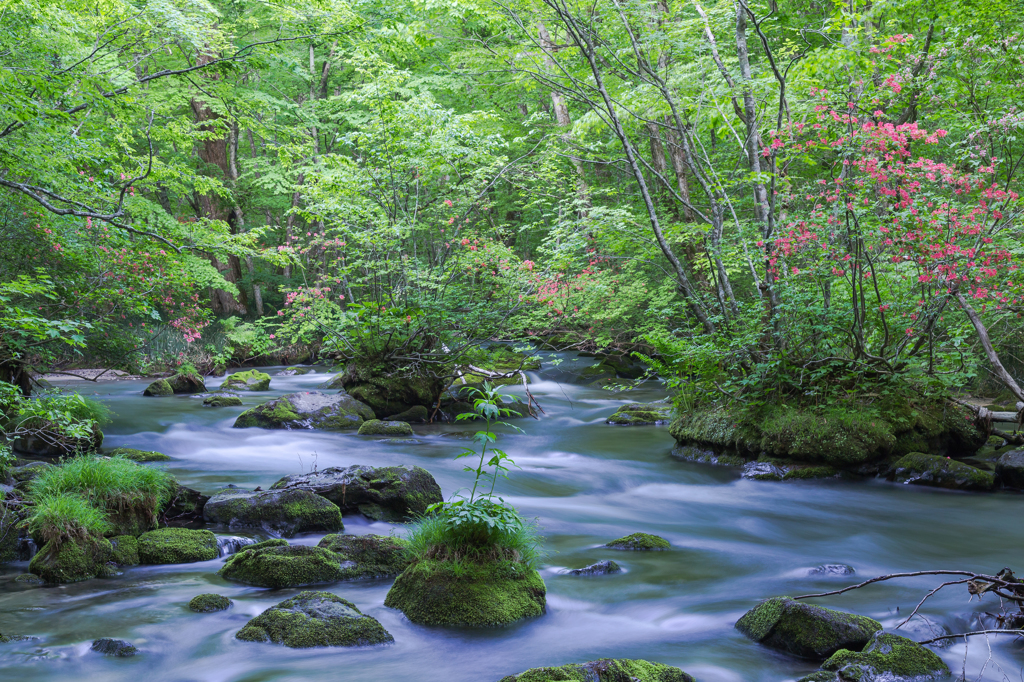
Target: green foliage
pixel 60 518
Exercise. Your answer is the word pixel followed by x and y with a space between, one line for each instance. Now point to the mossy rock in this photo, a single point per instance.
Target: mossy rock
pixel 368 556
pixel 805 630
pixel 600 568
pixel 381 493
pixel 798 473
pixel 278 512
pixel 222 401
pixel 1010 469
pixel 29 579
pixel 309 410
pixel 283 566
pixel 177 546
pixel 209 603
pixel 918 468
pixel 640 542
pixel 139 455
pixel 125 550
pixel 417 414
pixel 114 647
pixel 294 372
pixel 604 670
pixel 177 384
pixel 700 455
pixel 185 506
pixel 71 561
pixel 249 380
pixel 641 414
pixel 10 543
pixel 390 390
pixel 431 592
pixel 377 427
pixel 622 367
pixel 160 387
pixel 315 619
pixel 886 658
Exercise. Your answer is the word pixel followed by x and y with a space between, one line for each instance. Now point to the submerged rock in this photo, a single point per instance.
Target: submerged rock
pixel 177 546
pixel 71 561
pixel 114 647
pixel 209 603
pixel 605 670
pixel 27 472
pixel 283 566
pixel 309 410
pixel 278 512
pixel 314 619
pixel 377 427
pixel 368 556
pixel 600 568
pixel 805 630
pixel 831 569
pixel 249 380
pixel 432 592
pixel 380 493
pixel 222 401
pixel 918 468
pixel 1010 469
pixel 639 542
pixel 886 658
pixel 639 414
pixel 139 455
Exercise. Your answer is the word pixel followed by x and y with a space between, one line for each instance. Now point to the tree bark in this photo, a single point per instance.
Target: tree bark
pixel 990 351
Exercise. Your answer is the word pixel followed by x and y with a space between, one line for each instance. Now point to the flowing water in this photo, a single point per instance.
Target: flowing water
pixel 733 542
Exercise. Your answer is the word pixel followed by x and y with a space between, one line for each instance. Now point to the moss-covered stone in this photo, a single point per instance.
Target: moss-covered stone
pixel 114 647
pixel 702 455
pixel 282 512
pixel 805 630
pixel 209 603
pixel 283 566
pixel 368 556
pixel 886 658
pixel 917 468
pixel 380 493
pixel 294 372
pixel 177 546
pixel 600 568
pixel 314 619
pixel 808 472
pixel 417 414
pixel 1010 469
pixel 640 542
pixel 377 427
pixel 177 384
pixel 71 561
pixel 160 387
pixel 29 579
pixel 139 455
pixel 249 380
pixel 431 592
pixel 604 670
pixel 125 550
pixel 309 410
pixel 392 389
pixel 217 400
pixel 639 414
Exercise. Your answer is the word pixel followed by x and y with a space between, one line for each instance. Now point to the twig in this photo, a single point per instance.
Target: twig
pixel 970 634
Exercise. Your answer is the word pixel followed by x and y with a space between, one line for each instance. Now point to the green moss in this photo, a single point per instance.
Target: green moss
pixel 125 550
pixel 71 562
pixel 376 427
pixel 160 387
pixel 805 630
pixel 370 556
pixel 415 414
pixel 922 469
pixel 604 670
pixel 431 592
pixel 209 603
pixel 284 512
pixel 887 657
pixel 177 546
pixel 636 414
pixel 640 542
pixel 273 542
pixel 282 566
pixel 250 380
pixel 222 401
pixel 810 472
pixel 315 619
pixel 139 455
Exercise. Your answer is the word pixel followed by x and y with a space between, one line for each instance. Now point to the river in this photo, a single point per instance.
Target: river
pixel 733 541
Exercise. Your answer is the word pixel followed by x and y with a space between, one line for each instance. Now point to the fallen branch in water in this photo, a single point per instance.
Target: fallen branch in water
pixel 970 634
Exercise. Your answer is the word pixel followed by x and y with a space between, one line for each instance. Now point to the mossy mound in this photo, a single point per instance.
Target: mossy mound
pixel 209 603
pixel 377 427
pixel 600 568
pixel 249 380
pixel 177 546
pixel 160 387
pixel 380 493
pixel 139 455
pixel 1010 469
pixel 177 384
pixel 805 630
pixel 283 566
pixel 431 592
pixel 314 619
pixel 279 512
pixel 640 542
pixel 390 390
pixel 125 550
pixel 917 468
pixel 604 670
pixel 309 410
pixel 368 556
pixel 417 414
pixel 886 658
pixel 640 414
pixel 222 401
pixel 71 561
pixel 114 647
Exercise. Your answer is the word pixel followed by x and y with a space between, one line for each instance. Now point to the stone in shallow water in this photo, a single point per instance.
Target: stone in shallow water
pixel 378 427
pixel 278 512
pixel 805 630
pixel 177 546
pixel 918 468
pixel 283 566
pixel 604 670
pixel 831 569
pixel 600 568
pixel 308 410
pixel 139 455
pixel 209 603
pixel 114 647
pixel 1010 469
pixel 640 414
pixel 250 380
pixel 222 401
pixel 640 542
pixel 315 619
pixel 886 658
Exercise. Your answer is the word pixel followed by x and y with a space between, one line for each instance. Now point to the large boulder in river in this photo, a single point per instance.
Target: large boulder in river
pixel 177 384
pixel 71 561
pixel 249 380
pixel 177 546
pixel 312 619
pixel 917 468
pixel 805 630
pixel 282 566
pixel 605 670
pixel 308 410
pixel 886 658
pixel 368 556
pixel 391 390
pixel 1010 469
pixel 278 512
pixel 434 592
pixel 380 493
